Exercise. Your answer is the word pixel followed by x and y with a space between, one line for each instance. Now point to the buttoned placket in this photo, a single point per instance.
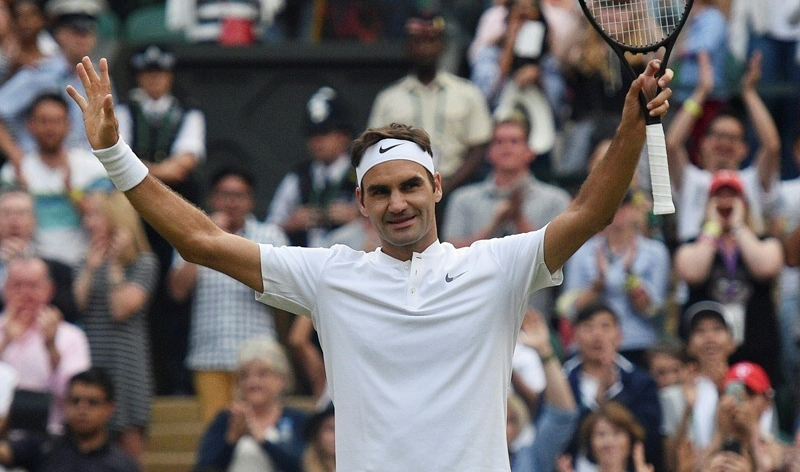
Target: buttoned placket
pixel 415 268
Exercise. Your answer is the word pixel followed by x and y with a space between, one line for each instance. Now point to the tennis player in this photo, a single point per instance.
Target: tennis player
pixel 417 336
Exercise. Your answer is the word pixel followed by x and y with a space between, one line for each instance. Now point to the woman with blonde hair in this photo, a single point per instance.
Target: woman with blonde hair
pixel 257 432
pixel 112 292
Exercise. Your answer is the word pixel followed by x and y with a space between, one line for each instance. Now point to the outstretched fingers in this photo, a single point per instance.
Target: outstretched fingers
pixel 90 70
pixel 77 97
pixel 105 80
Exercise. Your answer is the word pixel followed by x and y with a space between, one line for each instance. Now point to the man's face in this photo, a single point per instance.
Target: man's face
pixel 233 197
pixel 28 288
pixel 599 338
pixel 76 43
pixel 49 125
pixel 87 409
pixel 710 340
pixel 509 150
pixel 425 47
pixel 327 147
pixel 399 200
pixel 156 83
pixel 723 146
pixel 17 218
pixel 629 217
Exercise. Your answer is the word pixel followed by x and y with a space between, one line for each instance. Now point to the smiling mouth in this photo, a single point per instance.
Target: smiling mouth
pixel 401 221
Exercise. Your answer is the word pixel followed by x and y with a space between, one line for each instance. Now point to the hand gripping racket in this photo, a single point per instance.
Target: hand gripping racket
pixel 640 27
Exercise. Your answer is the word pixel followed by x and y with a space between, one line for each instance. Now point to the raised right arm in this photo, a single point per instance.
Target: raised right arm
pixel 187 228
pixel 767 157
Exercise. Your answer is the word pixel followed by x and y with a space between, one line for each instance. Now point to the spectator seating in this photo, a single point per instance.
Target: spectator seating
pixel 147 25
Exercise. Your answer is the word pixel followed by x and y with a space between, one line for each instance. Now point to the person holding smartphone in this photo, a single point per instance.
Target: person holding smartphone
pixel 740 443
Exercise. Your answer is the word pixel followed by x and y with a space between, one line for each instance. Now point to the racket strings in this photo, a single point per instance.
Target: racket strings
pixel 638 23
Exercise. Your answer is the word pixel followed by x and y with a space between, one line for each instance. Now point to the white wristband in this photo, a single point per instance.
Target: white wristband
pixel 123 166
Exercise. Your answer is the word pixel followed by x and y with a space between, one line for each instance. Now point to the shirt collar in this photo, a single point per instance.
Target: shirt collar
pixel 577 360
pixel 435 249
pixel 438 82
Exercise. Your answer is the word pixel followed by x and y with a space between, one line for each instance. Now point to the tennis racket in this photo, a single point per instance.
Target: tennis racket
pixel 641 27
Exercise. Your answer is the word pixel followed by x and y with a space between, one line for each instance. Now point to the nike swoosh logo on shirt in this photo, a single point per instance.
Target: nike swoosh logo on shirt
pixel 449 279
pixel 383 149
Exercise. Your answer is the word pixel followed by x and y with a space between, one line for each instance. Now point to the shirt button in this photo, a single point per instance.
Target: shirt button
pixel 407 266
pixel 413 290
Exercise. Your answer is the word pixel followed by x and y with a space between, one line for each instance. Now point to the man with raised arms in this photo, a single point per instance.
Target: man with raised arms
pixel 417 335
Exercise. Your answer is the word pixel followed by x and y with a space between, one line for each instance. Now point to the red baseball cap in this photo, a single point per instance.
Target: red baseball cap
pixel 751 375
pixel 726 178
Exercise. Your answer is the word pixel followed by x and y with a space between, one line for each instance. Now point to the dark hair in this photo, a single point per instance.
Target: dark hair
pixel 618 415
pixel 96 376
pixel 46 97
pixel 232 171
pixel 668 347
pixel 726 113
pixel 315 422
pixel 592 309
pixel 371 136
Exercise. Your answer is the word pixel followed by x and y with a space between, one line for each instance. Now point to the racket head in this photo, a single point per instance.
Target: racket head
pixel 637 26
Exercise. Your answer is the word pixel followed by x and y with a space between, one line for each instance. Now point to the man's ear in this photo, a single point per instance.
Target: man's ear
pixel 360 200
pixel 437 187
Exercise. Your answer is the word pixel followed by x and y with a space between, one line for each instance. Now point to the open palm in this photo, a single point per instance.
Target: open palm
pixel 98 106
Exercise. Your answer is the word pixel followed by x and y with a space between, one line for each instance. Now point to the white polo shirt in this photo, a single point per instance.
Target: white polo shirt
pixel 417 353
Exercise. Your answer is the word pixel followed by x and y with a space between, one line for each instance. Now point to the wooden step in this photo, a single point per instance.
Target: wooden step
pixel 168 461
pixel 176 430
pixel 175 437
pixel 178 408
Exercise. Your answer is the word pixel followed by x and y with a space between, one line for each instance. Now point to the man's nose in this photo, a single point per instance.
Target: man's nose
pixel 397 202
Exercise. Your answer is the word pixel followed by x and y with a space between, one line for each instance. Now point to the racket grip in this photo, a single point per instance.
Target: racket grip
pixel 659 170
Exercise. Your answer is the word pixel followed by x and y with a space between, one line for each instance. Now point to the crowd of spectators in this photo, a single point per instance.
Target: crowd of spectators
pixel 679 335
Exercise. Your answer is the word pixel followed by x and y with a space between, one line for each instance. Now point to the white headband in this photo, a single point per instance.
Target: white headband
pixel 390 150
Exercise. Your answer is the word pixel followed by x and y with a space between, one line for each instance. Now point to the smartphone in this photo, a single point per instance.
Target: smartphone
pixel 737 390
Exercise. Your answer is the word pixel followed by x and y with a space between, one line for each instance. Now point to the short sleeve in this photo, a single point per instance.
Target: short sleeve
pixel 522 255
pixel 291 276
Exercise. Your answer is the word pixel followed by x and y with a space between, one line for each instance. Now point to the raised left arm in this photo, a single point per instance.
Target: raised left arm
pixel 601 194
